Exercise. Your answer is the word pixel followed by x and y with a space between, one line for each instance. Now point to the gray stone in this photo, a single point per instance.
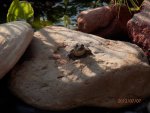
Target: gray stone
pixel 48 79
pixel 14 39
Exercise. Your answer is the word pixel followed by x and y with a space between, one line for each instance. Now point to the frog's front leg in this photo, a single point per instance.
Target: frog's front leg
pixel 71 54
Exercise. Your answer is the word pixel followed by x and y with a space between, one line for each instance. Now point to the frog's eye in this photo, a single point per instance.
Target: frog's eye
pixel 76 45
pixel 82 46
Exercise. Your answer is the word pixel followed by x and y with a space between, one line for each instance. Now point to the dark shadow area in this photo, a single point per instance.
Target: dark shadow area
pixel 11 104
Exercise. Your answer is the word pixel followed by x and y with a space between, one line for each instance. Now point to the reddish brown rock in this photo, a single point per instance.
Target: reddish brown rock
pixel 117 25
pixel 104 21
pixel 139 27
pixel 91 20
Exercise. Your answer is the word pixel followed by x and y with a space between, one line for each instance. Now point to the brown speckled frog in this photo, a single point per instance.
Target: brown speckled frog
pixel 79 51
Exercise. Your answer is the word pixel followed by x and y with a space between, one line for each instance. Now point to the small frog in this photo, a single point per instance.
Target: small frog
pixel 79 51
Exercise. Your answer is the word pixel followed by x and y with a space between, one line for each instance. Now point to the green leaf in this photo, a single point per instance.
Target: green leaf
pixel 133 5
pixel 66 2
pixel 67 20
pixel 20 10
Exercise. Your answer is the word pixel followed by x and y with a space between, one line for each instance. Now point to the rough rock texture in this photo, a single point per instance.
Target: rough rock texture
pixel 104 21
pixel 139 27
pixel 48 79
pixel 14 39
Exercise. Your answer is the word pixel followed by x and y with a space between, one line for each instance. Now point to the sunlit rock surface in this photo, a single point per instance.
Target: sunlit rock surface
pixel 14 39
pixel 46 78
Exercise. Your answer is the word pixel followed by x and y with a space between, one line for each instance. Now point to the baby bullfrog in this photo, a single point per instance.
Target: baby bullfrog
pixel 79 51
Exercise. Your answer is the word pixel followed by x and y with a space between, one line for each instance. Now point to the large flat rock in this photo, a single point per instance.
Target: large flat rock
pixel 46 78
pixel 14 39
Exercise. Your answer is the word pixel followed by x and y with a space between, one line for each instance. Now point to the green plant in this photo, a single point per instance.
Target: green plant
pixel 66 2
pixel 66 18
pixel 20 10
pixel 133 5
pixel 97 3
